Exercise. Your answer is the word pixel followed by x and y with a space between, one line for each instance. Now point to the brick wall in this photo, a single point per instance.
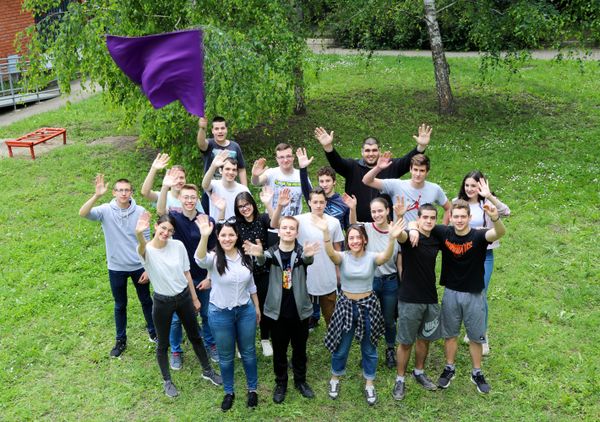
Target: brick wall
pixel 12 21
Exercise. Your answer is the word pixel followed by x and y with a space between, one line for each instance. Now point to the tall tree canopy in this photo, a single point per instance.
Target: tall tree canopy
pixel 252 57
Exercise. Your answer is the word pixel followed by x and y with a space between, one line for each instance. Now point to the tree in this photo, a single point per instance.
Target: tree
pixel 252 54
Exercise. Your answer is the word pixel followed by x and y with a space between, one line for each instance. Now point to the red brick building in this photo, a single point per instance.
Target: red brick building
pixel 12 21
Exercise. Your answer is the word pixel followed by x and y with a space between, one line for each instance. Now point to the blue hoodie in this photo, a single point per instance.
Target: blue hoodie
pixel 118 225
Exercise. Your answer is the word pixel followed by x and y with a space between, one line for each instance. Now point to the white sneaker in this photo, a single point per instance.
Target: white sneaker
pixel 485 349
pixel 466 339
pixel 266 348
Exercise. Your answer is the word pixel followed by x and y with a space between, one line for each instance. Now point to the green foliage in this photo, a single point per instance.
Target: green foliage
pixel 486 25
pixel 536 140
pixel 251 49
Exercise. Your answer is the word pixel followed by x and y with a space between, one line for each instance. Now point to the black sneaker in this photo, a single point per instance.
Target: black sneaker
pixel 305 390
pixel 390 357
pixel 152 338
pixel 227 402
pixel 252 399
pixel 446 377
pixel 425 381
pixel 479 380
pixel 279 393
pixel 119 348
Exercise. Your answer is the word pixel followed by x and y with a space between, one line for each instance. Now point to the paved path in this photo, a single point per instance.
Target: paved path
pixel 8 116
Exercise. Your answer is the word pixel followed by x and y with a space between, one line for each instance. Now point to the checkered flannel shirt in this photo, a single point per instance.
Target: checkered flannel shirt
pixel 341 321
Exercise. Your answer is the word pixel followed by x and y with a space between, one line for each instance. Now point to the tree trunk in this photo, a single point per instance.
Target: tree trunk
pixel 440 65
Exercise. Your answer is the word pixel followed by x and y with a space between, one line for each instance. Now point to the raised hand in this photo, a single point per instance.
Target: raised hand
pixel 170 180
pixel 396 228
pixel 384 160
pixel 220 158
pixel 266 195
pixel 253 249
pixel 350 201
pixel 323 137
pixel 399 206
pixel 424 135
pixel 143 222
pixel 218 202
pixel 491 211
pixel 204 225
pixel 101 187
pixel 202 123
pixel 284 198
pixel 414 237
pixel 311 248
pixel 303 160
pixel 161 161
pixel 484 188
pixel 259 167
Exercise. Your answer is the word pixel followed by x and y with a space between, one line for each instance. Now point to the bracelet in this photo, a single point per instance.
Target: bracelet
pixel 326 240
pixel 494 221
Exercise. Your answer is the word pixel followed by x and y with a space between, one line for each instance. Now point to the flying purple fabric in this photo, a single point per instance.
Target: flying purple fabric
pixel 168 66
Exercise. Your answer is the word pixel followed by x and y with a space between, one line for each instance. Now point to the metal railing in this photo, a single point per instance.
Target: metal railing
pixel 14 92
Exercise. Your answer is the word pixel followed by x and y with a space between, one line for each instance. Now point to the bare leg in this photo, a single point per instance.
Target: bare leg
pixel 402 358
pixel 450 348
pixel 421 351
pixel 475 349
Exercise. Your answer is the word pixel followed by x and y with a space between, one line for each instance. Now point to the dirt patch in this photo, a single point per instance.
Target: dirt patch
pixel 121 142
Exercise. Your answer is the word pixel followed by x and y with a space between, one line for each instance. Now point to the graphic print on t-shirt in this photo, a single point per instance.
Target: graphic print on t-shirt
pixel 459 249
pixel 287 277
pixel 415 205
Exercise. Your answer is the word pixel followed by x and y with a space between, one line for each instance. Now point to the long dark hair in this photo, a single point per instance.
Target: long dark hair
pixel 245 196
pixel 220 253
pixel 475 175
pixel 360 228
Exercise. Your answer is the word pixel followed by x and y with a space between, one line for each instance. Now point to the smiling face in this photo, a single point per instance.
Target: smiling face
pixel 356 241
pixel 163 231
pixel 219 131
pixel 122 193
pixel 418 173
pixel 427 220
pixel 379 213
pixel 229 171
pixel 460 220
pixel 288 229
pixel 245 208
pixel 317 204
pixel 370 154
pixel 472 189
pixel 227 238
pixel 327 184
pixel 285 159
pixel 188 198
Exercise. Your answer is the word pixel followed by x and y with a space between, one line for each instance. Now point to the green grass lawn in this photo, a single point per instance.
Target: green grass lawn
pixel 535 135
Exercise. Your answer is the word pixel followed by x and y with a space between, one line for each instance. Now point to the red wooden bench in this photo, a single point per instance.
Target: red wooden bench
pixel 34 138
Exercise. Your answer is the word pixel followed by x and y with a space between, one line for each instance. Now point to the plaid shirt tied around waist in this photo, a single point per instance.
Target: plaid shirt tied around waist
pixel 341 321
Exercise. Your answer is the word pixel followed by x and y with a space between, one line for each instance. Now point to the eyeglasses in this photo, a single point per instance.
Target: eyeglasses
pixel 123 190
pixel 242 206
pixel 189 198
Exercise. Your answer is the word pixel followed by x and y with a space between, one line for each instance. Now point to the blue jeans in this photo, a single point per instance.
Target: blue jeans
pixel 488 268
pixel 386 290
pixel 118 286
pixel 176 334
pixel 231 326
pixel 367 349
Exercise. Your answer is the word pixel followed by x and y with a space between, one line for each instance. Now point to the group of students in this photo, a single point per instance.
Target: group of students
pixel 280 270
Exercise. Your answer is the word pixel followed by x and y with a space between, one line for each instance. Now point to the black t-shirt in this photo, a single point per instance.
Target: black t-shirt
pixel 257 229
pixel 418 271
pixel 288 304
pixel 462 258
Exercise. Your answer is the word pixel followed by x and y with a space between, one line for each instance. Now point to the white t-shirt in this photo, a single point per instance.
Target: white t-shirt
pixel 229 195
pixel 378 241
pixel 430 193
pixel 166 267
pixel 277 180
pixel 320 276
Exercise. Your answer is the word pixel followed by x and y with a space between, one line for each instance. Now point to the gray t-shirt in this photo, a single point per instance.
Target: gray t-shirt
pixel 378 241
pixel 430 193
pixel 357 273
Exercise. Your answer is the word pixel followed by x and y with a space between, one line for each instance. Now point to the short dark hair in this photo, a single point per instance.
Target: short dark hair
pixel 460 204
pixel 370 141
pixel 232 161
pixel 326 171
pixel 219 119
pixel 282 147
pixel 316 191
pixel 427 207
pixel 420 160
pixel 123 181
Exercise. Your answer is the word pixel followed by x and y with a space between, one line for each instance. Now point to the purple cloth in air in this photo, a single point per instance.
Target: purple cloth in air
pixel 168 66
